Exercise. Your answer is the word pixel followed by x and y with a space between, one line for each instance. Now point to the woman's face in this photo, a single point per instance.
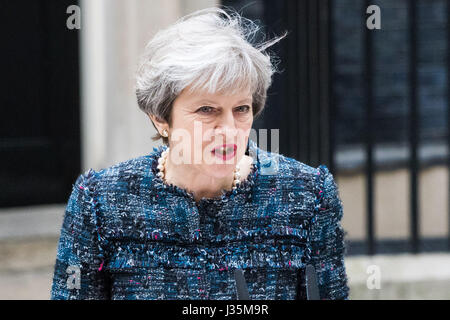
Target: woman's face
pixel 203 122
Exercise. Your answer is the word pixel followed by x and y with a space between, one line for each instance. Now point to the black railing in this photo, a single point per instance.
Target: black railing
pixel 413 124
pixel 448 117
pixel 311 111
pixel 369 133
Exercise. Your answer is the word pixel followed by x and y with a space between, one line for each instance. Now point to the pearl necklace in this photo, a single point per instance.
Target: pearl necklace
pixel 162 169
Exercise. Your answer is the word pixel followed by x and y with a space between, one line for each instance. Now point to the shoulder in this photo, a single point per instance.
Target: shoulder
pixel 295 176
pixel 121 176
pixel 278 165
pixel 111 194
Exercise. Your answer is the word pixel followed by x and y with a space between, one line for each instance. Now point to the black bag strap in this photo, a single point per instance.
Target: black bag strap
pixel 312 288
pixel 241 285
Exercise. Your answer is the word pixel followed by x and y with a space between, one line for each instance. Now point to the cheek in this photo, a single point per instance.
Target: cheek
pixel 244 129
pixel 244 133
pixel 182 138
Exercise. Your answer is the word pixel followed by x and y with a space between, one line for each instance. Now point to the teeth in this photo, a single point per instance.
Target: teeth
pixel 225 150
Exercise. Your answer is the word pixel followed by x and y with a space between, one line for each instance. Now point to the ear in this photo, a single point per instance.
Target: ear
pixel 160 125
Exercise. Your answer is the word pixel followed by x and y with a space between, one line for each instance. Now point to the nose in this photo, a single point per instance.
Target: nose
pixel 226 124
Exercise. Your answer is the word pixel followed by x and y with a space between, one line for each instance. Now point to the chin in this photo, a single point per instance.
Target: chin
pixel 220 170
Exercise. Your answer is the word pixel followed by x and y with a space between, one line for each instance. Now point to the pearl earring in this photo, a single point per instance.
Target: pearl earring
pixel 165 133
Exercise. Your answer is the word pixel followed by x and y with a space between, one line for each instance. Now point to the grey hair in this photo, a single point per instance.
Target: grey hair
pixel 206 52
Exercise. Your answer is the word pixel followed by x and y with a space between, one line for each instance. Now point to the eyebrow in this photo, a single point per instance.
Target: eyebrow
pixel 210 101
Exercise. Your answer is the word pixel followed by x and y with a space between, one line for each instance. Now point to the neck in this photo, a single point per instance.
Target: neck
pixel 201 185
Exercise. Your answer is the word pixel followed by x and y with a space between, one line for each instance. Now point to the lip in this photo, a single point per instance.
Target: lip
pixel 226 156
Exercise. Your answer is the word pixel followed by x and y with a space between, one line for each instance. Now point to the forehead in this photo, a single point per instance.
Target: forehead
pixel 219 98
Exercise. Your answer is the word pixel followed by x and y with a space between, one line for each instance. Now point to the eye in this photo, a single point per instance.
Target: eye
pixel 205 109
pixel 243 109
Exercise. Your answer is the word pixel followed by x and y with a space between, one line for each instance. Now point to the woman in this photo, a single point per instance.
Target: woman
pixel 178 222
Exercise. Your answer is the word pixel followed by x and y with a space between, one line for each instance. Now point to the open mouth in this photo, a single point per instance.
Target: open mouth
pixel 225 152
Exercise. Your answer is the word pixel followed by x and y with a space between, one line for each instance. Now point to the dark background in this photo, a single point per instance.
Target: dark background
pixel 39 126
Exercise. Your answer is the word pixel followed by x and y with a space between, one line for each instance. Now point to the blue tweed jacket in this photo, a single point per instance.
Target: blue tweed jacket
pixel 128 235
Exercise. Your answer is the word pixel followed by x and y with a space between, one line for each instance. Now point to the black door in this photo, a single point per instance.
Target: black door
pixel 40 126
